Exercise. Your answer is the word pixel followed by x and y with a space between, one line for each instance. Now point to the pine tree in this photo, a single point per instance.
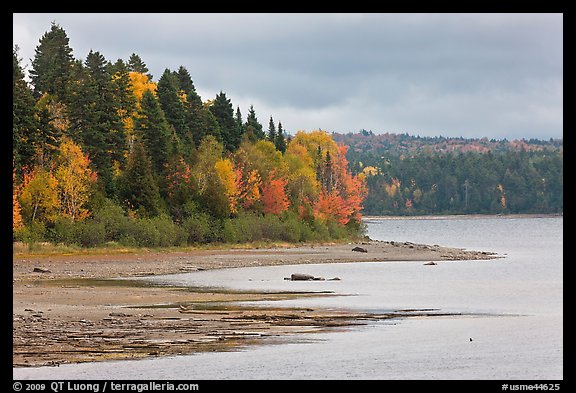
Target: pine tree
pixel 186 85
pixel 253 127
pixel 172 104
pixel 136 64
pixel 239 125
pixel 95 121
pixel 222 110
pixel 271 131
pixel 138 188
pixel 25 133
pixel 280 142
pixel 51 66
pixel 152 128
pixel 123 90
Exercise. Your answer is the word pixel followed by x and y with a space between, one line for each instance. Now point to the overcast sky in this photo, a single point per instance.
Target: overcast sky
pixel 470 75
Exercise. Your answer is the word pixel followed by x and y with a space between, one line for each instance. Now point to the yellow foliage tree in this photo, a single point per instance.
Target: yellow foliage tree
pixel 75 179
pixel 228 177
pixel 140 83
pixel 39 197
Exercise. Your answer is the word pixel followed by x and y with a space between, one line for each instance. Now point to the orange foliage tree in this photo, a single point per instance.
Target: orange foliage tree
pixel 340 194
pixel 274 198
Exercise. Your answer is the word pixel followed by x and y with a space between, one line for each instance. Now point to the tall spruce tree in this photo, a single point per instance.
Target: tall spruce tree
pixel 280 141
pixel 272 135
pixel 172 104
pixel 51 66
pixel 136 64
pixel 195 118
pixel 239 124
pixel 186 85
pixel 253 127
pixel 25 134
pixel 95 121
pixel 222 110
pixel 151 126
pixel 138 188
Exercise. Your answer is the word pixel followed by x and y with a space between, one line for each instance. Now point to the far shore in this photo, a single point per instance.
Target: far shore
pixel 465 216
pixel 69 308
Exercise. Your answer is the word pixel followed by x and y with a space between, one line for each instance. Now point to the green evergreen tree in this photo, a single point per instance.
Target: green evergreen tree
pixel 186 85
pixel 239 124
pixel 172 105
pixel 253 127
pixel 122 88
pixel 280 142
pixel 95 121
pixel 51 66
pixel 25 135
pixel 155 132
pixel 272 135
pixel 136 64
pixel 222 110
pixel 138 188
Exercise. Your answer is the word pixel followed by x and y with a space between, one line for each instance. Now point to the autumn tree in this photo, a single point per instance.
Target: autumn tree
pixel 39 196
pixel 75 180
pixel 17 222
pixel 212 190
pixel 228 176
pixel 274 198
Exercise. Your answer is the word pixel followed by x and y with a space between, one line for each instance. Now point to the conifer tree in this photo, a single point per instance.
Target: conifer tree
pixel 253 127
pixel 239 125
pixel 155 132
pixel 172 104
pixel 24 122
pixel 136 64
pixel 138 188
pixel 222 110
pixel 271 131
pixel 186 85
pixel 95 121
pixel 280 141
pixel 51 66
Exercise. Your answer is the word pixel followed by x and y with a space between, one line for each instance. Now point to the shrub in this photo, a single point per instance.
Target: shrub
pixel 199 228
pixel 89 233
pixel 63 231
pixel 113 218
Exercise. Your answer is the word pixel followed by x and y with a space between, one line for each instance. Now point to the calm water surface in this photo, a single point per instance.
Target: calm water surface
pixel 512 308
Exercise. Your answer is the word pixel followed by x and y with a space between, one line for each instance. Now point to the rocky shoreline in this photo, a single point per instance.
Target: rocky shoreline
pixel 69 309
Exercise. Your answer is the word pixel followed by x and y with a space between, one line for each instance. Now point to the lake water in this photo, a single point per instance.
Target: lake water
pixel 512 308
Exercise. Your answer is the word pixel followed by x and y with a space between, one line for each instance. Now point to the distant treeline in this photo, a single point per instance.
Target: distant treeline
pixel 411 175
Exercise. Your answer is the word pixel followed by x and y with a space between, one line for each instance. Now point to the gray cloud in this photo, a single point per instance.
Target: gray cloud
pixel 495 75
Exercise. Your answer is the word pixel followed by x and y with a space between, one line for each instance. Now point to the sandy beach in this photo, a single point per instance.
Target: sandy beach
pixel 71 308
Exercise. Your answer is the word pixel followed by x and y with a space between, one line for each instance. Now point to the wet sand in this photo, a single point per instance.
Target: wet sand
pixel 70 308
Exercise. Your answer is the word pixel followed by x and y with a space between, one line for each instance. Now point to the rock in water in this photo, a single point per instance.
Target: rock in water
pixel 301 277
